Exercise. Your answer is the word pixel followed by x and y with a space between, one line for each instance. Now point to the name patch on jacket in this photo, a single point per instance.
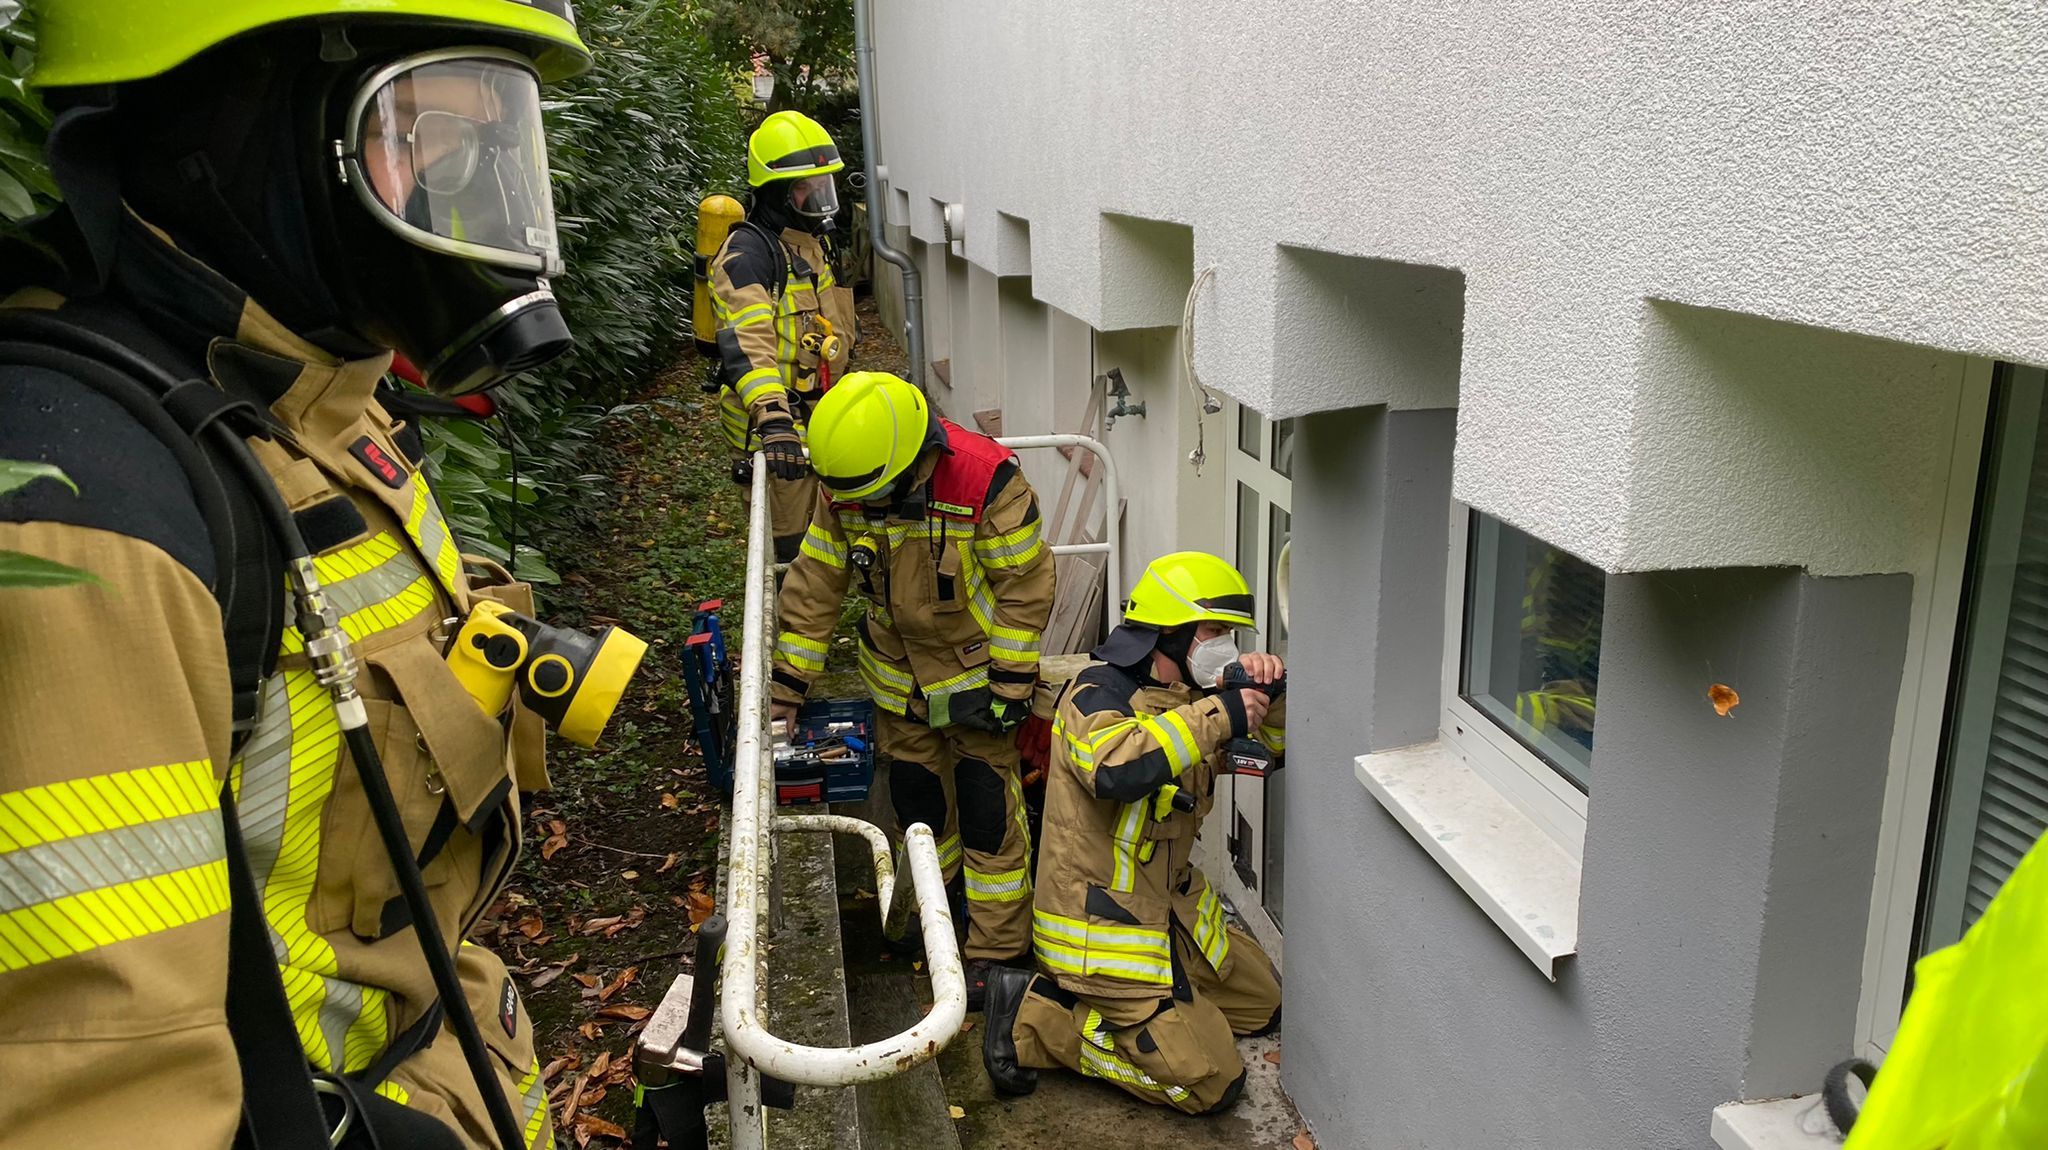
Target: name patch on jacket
pixel 508 1007
pixel 378 461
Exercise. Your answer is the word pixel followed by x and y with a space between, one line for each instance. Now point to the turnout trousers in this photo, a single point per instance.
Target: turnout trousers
pixel 1177 1050
pixel 965 785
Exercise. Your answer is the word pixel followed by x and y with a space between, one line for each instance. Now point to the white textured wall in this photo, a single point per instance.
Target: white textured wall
pixel 1866 168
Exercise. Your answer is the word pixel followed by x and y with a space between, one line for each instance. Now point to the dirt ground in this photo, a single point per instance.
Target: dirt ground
pixel 620 854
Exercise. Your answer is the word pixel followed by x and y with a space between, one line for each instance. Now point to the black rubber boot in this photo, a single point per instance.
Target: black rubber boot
pixel 977 983
pixel 1006 990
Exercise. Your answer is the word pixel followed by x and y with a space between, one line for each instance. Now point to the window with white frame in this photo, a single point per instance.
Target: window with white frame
pixel 1522 672
pixel 1992 791
pixel 1260 470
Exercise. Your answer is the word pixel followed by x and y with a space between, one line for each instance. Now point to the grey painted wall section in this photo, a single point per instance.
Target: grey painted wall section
pixel 1717 957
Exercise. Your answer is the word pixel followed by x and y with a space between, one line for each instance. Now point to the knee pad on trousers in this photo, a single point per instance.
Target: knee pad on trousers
pixel 918 796
pixel 786 547
pixel 1231 1094
pixel 983 799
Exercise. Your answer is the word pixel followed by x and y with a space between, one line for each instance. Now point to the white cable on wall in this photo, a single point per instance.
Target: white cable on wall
pixel 1205 403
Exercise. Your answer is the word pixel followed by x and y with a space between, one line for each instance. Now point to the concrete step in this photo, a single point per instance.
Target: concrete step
pixel 806 997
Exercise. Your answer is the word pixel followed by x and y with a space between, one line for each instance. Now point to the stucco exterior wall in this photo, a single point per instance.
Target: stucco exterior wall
pixel 1575 175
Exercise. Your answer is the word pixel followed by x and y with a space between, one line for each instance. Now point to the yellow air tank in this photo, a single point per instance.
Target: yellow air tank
pixel 716 215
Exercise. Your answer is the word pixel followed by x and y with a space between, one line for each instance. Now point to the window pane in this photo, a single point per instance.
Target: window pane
pixel 1283 447
pixel 1274 627
pixel 1994 789
pixel 1532 642
pixel 1247 557
pixel 1251 431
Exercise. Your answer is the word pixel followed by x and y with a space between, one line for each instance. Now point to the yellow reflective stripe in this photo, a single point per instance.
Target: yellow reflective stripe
pixel 395 1092
pixel 758 382
pixel 1210 933
pixel 426 528
pixel 86 863
pixel 998 886
pixel 1077 749
pixel 751 314
pixel 802 653
pixel 1175 737
pixel 533 1103
pixel 1274 737
pixel 107 802
pixel 355 559
pixel 883 671
pixel 1129 826
pixel 980 603
pixel 396 611
pixel 819 545
pixel 978 677
pixel 1100 1063
pixel 1013 550
pixel 1070 960
pixel 283 779
pixel 76 923
pixel 949 852
pixel 1013 644
pixel 1095 936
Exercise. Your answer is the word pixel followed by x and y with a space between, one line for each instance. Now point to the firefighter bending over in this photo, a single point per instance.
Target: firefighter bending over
pixel 1142 981
pixel 940 530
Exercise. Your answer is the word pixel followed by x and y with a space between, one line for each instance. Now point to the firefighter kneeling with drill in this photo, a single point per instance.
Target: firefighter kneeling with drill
pixel 1143 983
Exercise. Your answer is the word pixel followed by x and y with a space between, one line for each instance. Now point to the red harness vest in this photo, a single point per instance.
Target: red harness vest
pixel 960 482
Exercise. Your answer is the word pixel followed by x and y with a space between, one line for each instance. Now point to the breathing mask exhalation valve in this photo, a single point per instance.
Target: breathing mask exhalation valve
pixel 570 678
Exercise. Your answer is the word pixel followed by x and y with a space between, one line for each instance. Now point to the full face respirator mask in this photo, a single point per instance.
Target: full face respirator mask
pixel 441 220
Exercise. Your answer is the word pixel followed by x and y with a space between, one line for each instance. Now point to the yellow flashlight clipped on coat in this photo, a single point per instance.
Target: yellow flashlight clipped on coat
pixel 571 679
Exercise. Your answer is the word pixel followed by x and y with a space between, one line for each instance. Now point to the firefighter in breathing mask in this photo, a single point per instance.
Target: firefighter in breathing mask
pixel 260 202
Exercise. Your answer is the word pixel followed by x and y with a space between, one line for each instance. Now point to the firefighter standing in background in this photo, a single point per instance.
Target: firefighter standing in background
pixel 1143 983
pixel 783 320
pixel 940 530
pixel 261 199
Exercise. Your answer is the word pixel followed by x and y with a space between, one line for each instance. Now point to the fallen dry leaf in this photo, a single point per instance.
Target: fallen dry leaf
pixel 603 1063
pixel 553 844
pixel 956 1112
pixel 590 1031
pixel 595 925
pixel 667 865
pixel 589 981
pixel 625 1012
pixel 575 1098
pixel 530 925
pixel 629 875
pixel 544 977
pixel 1273 1056
pixel 616 985
pixel 701 907
pixel 1302 1141
pixel 670 801
pixel 565 1062
pixel 967 1026
pixel 1724 698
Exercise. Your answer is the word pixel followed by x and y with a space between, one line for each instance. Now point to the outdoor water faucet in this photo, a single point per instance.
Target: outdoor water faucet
pixel 1121 392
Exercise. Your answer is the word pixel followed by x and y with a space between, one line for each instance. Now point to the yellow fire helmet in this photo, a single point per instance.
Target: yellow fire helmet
pixel 80 42
pixel 1190 587
pixel 866 432
pixel 790 146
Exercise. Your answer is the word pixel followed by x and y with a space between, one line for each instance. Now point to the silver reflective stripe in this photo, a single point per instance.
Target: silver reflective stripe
pixel 71 866
pixel 266 783
pixel 376 585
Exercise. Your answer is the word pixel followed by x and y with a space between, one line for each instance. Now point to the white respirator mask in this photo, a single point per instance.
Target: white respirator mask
pixel 1208 658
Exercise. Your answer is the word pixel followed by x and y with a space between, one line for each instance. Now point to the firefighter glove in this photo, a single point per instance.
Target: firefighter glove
pixel 784 449
pixel 980 709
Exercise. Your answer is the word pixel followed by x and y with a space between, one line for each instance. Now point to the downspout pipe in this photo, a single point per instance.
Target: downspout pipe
pixel 913 281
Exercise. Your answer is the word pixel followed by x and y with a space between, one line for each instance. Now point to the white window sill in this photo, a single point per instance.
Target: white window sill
pixel 1509 865
pixel 1781 1124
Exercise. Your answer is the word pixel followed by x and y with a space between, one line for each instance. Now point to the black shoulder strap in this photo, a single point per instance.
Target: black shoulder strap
pixel 250 586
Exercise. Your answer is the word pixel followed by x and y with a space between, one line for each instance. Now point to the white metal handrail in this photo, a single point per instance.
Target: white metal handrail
pixel 1113 572
pixel 752 1049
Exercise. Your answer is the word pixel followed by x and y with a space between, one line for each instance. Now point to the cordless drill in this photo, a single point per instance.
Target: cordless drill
pixel 1249 756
